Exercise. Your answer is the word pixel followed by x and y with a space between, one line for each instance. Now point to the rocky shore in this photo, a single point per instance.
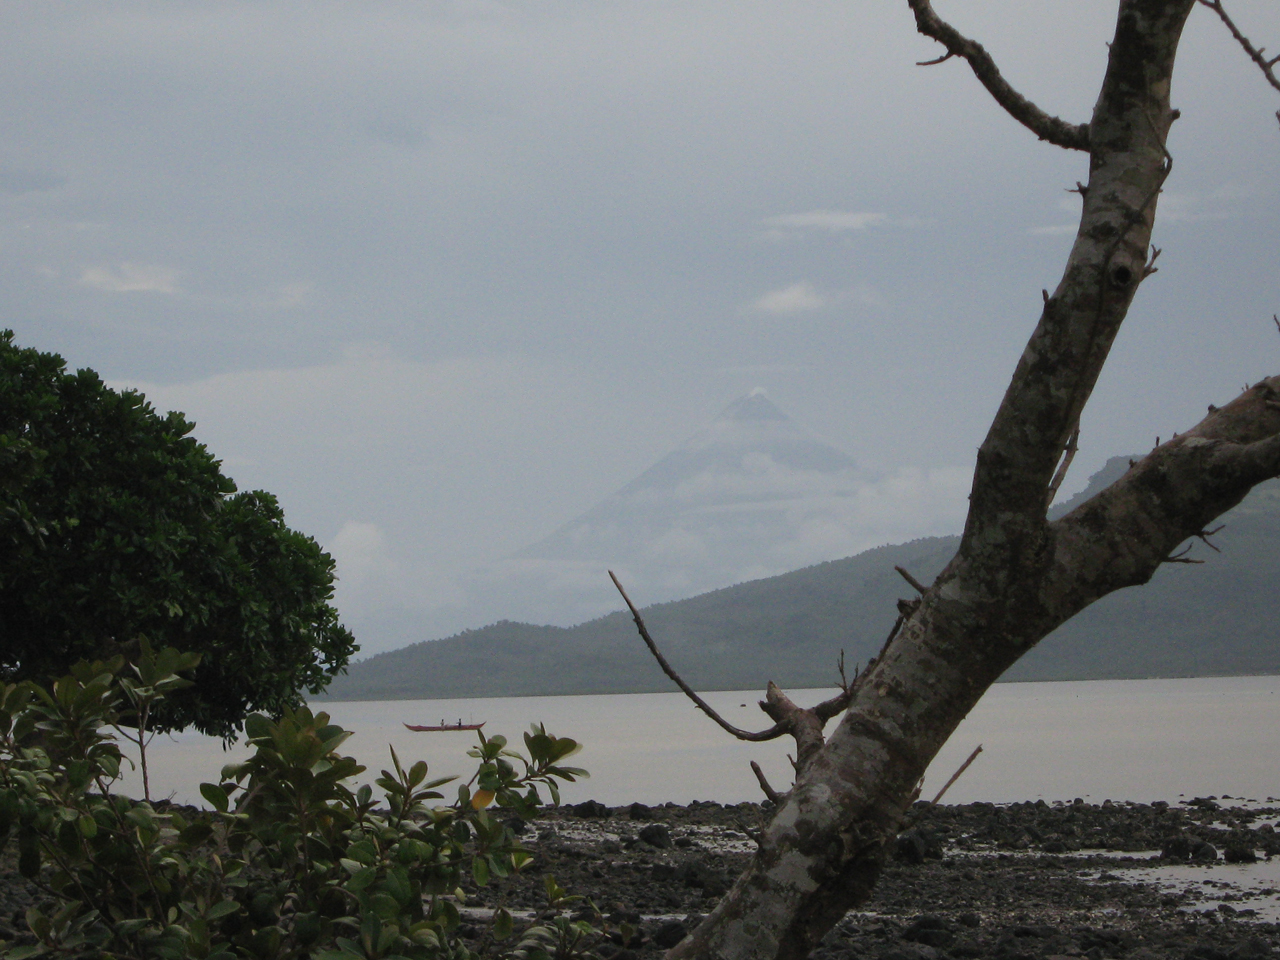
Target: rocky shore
pixel 1189 881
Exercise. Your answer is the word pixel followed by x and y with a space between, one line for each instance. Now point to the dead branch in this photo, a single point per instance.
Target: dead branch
pixel 1181 556
pixel 1255 53
pixel 769 792
pixel 956 776
pixel 804 724
pixel 772 733
pixel 912 580
pixel 1204 536
pixel 1043 125
pixel 1068 455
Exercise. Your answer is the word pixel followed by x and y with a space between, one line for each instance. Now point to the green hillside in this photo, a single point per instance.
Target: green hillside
pixel 1219 617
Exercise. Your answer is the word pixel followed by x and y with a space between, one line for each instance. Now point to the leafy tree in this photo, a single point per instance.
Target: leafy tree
pixel 116 524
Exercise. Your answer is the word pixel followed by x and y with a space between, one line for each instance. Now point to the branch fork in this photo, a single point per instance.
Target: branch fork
pixel 804 724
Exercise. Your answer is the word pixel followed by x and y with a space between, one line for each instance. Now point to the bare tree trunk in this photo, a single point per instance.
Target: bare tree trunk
pixel 1016 576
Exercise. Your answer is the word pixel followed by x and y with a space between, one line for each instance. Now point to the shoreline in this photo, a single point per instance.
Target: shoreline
pixel 1013 882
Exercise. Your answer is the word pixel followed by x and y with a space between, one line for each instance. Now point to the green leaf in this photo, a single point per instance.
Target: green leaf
pixel 221 909
pixel 216 796
pixel 502 923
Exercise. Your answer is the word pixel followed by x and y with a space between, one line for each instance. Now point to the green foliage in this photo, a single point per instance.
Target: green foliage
pixel 116 524
pixel 292 862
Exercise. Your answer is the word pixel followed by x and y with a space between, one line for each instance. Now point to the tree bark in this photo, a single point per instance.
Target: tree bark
pixel 1016 576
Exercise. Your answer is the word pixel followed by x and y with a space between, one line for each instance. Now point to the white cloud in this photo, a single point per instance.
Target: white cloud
pixel 797 298
pixel 131 278
pixel 1217 204
pixel 289 295
pixel 371 579
pixel 1054 231
pixel 834 221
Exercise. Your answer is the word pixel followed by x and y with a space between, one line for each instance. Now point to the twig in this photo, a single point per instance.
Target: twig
pixel 956 776
pixel 777 730
pixel 1276 318
pixel 1043 125
pixel 1181 557
pixel 1068 455
pixel 1255 53
pixel 769 792
pixel 936 60
pixel 912 580
pixel 1204 536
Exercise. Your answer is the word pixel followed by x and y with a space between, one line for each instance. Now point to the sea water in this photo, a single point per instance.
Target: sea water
pixel 1138 740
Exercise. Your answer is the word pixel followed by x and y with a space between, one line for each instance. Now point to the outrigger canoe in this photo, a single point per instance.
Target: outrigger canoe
pixel 441 728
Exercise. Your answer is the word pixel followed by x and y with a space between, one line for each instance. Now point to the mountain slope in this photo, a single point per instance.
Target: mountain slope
pixel 1215 618
pixel 751 495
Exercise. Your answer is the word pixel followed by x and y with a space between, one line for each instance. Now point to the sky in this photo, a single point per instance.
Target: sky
pixel 444 275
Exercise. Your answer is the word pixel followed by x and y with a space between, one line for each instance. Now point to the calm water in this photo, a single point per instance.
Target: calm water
pixel 1119 739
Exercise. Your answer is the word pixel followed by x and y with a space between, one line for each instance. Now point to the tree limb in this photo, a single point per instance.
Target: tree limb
pixel 1255 53
pixel 1043 125
pixel 804 724
pixel 912 580
pixel 1067 456
pixel 956 776
pixel 777 730
pixel 769 792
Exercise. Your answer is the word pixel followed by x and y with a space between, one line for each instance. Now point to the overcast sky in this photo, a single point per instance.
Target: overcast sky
pixel 442 275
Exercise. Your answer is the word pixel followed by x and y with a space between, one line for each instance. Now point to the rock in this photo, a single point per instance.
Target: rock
pixel 657 835
pixel 1204 851
pixel 911 848
pixel 663 872
pixel 1039 931
pixel 1239 853
pixel 1254 948
pixel 1203 951
pixel 640 811
pixel 910 951
pixel 591 810
pixel 917 845
pixel 1177 848
pixel 933 931
pixel 669 934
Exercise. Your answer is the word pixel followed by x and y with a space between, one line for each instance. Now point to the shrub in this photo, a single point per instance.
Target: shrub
pixel 293 861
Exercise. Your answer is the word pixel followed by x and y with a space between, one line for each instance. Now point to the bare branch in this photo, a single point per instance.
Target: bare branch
pixel 936 60
pixel 1204 536
pixel 772 733
pixel 1255 53
pixel 912 580
pixel 956 776
pixel 769 792
pixel 1068 455
pixel 1181 556
pixel 1043 125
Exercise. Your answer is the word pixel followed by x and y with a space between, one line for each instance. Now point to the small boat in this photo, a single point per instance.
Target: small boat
pixel 442 727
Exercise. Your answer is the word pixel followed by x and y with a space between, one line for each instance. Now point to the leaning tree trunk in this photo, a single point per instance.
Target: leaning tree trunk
pixel 1016 576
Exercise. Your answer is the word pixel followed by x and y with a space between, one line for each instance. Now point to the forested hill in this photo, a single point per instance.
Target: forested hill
pixel 1219 617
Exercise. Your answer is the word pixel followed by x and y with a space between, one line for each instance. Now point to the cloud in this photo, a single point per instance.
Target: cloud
pixel 293 295
pixel 370 578
pixel 1194 207
pixel 833 221
pixel 797 298
pixel 1054 231
pixel 131 278
pixel 19 181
